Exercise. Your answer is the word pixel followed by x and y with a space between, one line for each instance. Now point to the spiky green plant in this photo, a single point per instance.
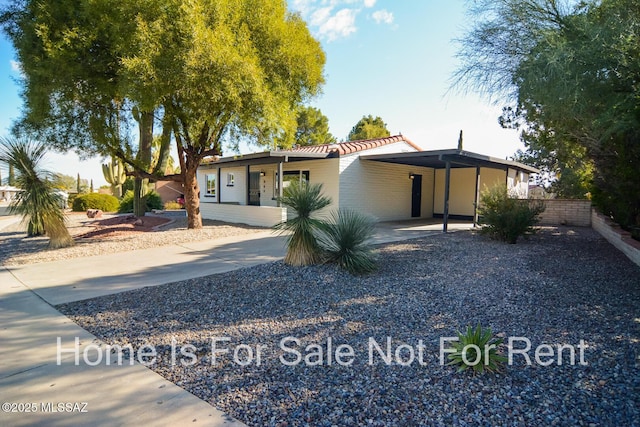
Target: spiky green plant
pixel 345 240
pixel 302 245
pixel 477 349
pixel 36 200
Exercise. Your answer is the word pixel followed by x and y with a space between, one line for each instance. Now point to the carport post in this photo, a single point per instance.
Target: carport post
pixel 447 179
pixel 477 198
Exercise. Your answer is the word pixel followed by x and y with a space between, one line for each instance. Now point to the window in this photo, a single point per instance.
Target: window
pixel 210 185
pixel 289 177
pixel 231 179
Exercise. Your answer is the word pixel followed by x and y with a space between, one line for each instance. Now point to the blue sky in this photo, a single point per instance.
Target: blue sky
pixel 392 59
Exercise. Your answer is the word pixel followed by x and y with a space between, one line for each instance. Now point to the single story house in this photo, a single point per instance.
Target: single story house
pixel 389 178
pixel 8 193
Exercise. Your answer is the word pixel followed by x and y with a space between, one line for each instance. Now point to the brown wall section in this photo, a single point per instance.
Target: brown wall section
pixel 169 191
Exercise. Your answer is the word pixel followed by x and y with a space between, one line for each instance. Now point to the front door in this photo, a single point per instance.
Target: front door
pixel 254 188
pixel 416 196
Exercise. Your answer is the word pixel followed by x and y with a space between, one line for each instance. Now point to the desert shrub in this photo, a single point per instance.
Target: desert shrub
pixel 104 202
pixel 126 203
pixel 506 218
pixel 477 349
pixel 152 199
pixel 72 197
pixel 172 206
pixel 302 244
pixel 345 240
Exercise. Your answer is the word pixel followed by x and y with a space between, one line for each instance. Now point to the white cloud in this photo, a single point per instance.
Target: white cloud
pixel 320 16
pixel 339 25
pixel 383 16
pixel 16 66
pixel 330 25
pixel 305 7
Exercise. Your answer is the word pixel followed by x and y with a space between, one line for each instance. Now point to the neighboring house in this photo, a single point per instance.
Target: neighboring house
pixel 390 178
pixel 8 193
pixel 169 191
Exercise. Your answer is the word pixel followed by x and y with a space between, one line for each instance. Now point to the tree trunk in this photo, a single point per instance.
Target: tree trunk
pixel 192 196
pixel 164 149
pixel 144 159
pixel 12 176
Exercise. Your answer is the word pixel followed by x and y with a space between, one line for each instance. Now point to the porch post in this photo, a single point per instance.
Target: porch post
pixel 477 198
pixel 248 186
pixel 280 181
pixel 447 180
pixel 218 185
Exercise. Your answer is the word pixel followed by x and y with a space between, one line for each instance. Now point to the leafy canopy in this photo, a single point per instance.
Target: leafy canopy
pixel 571 71
pixel 368 127
pixel 209 71
pixel 312 128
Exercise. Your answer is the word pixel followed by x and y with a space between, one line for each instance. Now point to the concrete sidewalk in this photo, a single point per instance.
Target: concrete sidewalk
pixel 120 395
pixel 114 395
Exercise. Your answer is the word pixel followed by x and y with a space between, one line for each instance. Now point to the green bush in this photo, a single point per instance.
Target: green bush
pixel 506 218
pixel 72 197
pixel 345 240
pixel 153 201
pixel 104 202
pixel 477 349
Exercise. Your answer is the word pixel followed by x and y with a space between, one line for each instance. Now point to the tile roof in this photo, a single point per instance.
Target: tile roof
pixel 350 147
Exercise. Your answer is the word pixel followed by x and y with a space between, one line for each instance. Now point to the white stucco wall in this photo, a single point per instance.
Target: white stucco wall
pixel 518 183
pixel 492 177
pixel 462 190
pixel 383 189
pixel 262 216
pixel 323 172
pixel 463 184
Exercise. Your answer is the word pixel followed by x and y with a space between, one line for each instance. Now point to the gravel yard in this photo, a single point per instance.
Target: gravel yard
pixel 16 248
pixel 561 286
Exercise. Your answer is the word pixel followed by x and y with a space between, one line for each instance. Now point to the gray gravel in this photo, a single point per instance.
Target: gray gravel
pixel 560 286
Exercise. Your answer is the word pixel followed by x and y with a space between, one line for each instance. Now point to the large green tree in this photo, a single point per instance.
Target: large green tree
pixel 209 72
pixel 571 70
pixel 368 127
pixel 312 127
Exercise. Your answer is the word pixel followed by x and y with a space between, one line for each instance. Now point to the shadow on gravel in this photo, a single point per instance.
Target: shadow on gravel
pixel 558 287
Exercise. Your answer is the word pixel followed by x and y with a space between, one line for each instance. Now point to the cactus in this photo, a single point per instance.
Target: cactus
pixel 115 174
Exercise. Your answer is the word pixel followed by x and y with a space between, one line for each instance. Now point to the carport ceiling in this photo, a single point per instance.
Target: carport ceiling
pixel 457 159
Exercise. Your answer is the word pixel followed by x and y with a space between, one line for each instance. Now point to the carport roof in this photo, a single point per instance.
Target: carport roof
pixel 437 159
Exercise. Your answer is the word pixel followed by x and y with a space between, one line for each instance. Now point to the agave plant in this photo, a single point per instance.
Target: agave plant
pixel 345 240
pixel 36 200
pixel 302 245
pixel 477 348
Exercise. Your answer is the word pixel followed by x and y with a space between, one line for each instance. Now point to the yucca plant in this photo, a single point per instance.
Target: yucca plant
pixel 36 200
pixel 480 349
pixel 302 246
pixel 345 240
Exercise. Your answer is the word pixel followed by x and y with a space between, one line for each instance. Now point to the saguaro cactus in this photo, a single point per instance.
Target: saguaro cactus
pixel 115 174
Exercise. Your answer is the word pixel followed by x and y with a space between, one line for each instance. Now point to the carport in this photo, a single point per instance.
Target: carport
pixel 452 159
